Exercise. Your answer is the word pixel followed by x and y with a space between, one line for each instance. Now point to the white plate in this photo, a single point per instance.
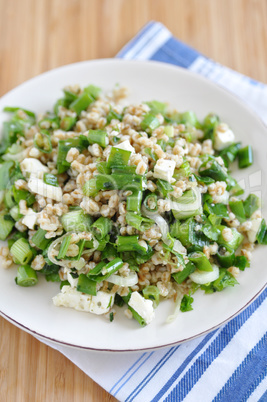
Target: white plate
pixel 32 308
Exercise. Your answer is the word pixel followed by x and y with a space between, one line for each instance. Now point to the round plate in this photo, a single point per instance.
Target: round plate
pixel 32 308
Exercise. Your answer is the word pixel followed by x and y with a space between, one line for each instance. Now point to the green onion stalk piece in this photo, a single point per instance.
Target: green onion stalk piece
pixel 76 221
pixel 81 103
pixel 42 141
pixel 151 292
pixel 26 276
pixel 245 157
pixel 67 123
pixel 101 272
pixel 39 239
pixel 200 260
pixel 101 227
pixel 181 276
pixel 99 137
pixel 21 251
pixel 86 285
pixel 6 226
pixel 130 243
pixel 118 157
pixel 225 256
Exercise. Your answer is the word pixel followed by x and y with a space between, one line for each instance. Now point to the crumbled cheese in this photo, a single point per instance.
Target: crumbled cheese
pixel 126 145
pixel 32 166
pixel 164 169
pixel 142 306
pixel 30 218
pixel 223 136
pixel 70 297
pixel 46 190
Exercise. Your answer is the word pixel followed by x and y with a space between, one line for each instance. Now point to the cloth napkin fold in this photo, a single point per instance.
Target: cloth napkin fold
pixel 228 364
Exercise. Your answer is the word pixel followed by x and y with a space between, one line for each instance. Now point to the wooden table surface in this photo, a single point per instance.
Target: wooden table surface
pixel 37 35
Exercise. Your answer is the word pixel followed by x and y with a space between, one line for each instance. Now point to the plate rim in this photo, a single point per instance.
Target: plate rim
pixel 181 70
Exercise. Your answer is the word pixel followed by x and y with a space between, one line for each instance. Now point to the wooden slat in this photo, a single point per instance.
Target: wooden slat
pixel 37 35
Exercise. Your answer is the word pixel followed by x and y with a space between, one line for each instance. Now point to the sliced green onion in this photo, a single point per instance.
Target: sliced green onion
pixel 42 141
pixel 86 285
pixel 214 170
pixel 26 276
pixel 99 137
pixel 130 243
pixel 12 109
pixel 229 153
pixel 151 292
pixel 15 214
pixel 93 90
pixel 102 168
pixel 69 95
pixel 64 247
pixel 67 123
pixel 50 179
pixel 157 107
pixel 138 222
pixel 81 103
pixel 236 240
pixel 40 240
pixel 200 260
pixel 101 227
pixel 118 157
pixel 5 174
pixel 63 148
pixel 49 122
pixel 113 115
pixel 133 202
pixel 151 202
pixel 183 171
pixel 164 187
pixel 106 270
pixel 21 251
pixel 181 276
pixel 245 157
pixel 23 195
pixel 6 227
pixel 76 220
pixel 149 123
pixel 225 256
pixel 237 207
pixel 169 131
pixel 189 204
pixel 9 199
pixel 251 204
pixel 261 236
pixel 89 188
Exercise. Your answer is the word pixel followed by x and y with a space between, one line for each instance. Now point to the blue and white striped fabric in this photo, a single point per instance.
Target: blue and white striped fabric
pixel 228 364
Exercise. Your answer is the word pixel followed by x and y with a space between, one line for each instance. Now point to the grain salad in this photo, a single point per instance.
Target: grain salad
pixel 124 205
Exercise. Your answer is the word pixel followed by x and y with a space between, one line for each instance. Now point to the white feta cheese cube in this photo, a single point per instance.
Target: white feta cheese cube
pixel 126 145
pixel 101 303
pixel 31 166
pixel 30 218
pixel 164 169
pixel 252 233
pixel 70 297
pixel 223 136
pixel 142 306
pixel 37 186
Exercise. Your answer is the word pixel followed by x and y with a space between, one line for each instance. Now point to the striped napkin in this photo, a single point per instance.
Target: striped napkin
pixel 228 364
